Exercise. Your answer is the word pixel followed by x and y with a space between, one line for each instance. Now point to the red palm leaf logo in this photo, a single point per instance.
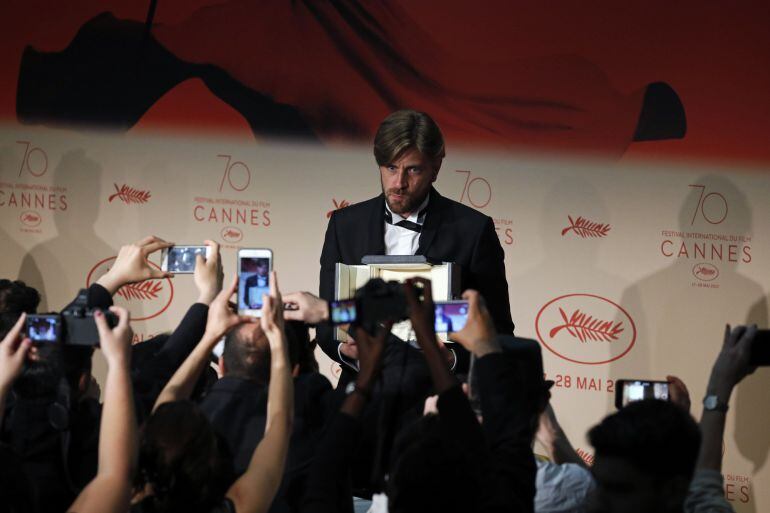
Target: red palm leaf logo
pixel 585 228
pixel 585 327
pixel 141 291
pixel 337 206
pixel 130 195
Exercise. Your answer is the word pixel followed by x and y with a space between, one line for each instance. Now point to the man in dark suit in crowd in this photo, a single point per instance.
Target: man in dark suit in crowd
pixel 411 218
pixel 236 405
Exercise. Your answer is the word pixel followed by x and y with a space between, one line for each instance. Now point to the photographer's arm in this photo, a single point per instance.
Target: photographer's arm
pixel 730 367
pixel 110 490
pixel 131 265
pixel 254 491
pixel 221 318
pixel 13 351
pixel 156 371
pixel 328 477
pixel 552 437
pixel 422 317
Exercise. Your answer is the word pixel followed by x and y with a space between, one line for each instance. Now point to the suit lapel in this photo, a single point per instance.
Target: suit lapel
pixel 375 229
pixel 432 222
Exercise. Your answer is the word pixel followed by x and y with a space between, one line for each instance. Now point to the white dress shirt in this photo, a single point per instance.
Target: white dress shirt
pixel 403 241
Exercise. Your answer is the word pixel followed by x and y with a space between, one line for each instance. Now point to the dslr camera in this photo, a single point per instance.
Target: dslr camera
pixel 75 325
pixel 374 303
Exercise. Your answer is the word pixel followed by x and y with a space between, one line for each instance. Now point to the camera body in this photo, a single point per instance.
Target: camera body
pixel 75 325
pixel 378 301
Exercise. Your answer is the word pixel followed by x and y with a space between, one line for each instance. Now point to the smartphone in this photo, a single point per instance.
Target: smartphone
pixel 630 390
pixel 450 316
pixel 760 349
pixel 254 266
pixel 342 312
pixel 43 328
pixel 181 259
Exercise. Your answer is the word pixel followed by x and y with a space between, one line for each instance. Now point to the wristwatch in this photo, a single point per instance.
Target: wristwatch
pixel 351 387
pixel 712 403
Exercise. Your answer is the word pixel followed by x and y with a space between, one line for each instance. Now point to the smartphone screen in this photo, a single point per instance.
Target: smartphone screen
pixel 450 316
pixel 254 266
pixel 629 390
pixel 181 259
pixel 342 312
pixel 43 328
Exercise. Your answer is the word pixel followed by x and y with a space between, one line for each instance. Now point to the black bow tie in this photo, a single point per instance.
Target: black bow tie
pixel 409 225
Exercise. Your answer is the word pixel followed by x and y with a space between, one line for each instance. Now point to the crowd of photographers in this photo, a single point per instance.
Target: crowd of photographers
pixel 260 429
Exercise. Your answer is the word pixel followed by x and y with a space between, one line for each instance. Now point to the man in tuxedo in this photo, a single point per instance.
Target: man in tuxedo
pixel 411 218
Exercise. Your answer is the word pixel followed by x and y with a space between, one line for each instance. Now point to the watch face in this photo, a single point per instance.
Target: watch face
pixel 350 388
pixel 710 402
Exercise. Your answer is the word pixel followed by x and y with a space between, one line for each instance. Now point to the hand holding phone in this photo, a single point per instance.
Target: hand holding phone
pixel 630 390
pixel 181 259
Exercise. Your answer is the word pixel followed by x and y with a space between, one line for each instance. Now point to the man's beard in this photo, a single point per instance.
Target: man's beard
pixel 407 205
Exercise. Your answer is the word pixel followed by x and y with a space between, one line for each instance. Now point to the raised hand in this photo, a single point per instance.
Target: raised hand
pixel 732 364
pixel 478 335
pixel 421 313
pixel 115 343
pixel 272 311
pixel 678 392
pixel 222 315
pixel 306 308
pixel 208 275
pixel 131 265
pixel 13 351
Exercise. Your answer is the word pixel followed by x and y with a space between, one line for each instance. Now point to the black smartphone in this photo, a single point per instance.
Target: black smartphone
pixel 630 390
pixel 43 328
pixel 760 349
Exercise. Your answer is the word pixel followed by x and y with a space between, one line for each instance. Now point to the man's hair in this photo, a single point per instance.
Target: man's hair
pixel 247 356
pixel 406 129
pixel 16 297
pixel 657 437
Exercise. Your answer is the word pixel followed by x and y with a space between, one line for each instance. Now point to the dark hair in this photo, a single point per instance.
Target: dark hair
pixel 657 437
pixel 427 458
pixel 247 354
pixel 16 297
pixel 40 378
pixel 405 129
pixel 183 460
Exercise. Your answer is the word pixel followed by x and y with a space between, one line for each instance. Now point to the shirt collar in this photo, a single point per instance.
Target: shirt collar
pixel 418 216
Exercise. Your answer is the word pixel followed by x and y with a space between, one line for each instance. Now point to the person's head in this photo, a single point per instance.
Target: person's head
pixel 409 149
pixel 644 458
pixel 42 374
pixel 247 352
pixel 527 360
pixel 426 459
pixel 16 297
pixel 183 465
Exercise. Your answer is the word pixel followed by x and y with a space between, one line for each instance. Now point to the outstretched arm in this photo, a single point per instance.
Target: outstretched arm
pixel 221 319
pixel 110 490
pixel 13 351
pixel 254 491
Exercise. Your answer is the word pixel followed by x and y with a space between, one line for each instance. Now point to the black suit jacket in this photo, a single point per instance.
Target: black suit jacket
pixel 452 232
pixel 237 410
